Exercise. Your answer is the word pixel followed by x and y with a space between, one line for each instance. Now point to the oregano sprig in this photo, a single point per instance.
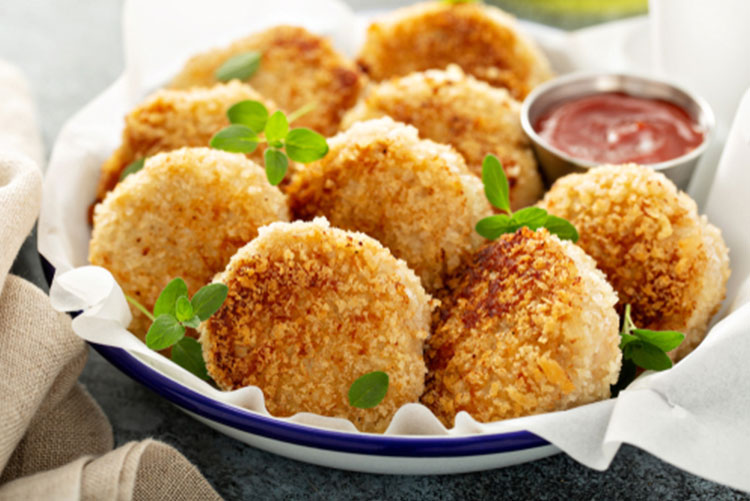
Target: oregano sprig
pixel 251 125
pixel 368 390
pixel 497 191
pixel 173 312
pixel 643 348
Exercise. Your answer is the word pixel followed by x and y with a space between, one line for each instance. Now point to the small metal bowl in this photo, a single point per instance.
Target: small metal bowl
pixel 556 163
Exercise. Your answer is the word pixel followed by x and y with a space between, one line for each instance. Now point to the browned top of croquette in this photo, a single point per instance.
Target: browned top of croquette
pixel 310 309
pixel 645 236
pixel 453 108
pixel 415 196
pixel 172 119
pixel 481 39
pixel 183 215
pixel 499 347
pixel 297 68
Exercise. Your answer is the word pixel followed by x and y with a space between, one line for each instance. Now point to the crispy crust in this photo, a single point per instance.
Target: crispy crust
pixel 415 196
pixel 483 40
pixel 668 263
pixel 529 327
pixel 310 309
pixel 453 108
pixel 297 68
pixel 172 119
pixel 183 215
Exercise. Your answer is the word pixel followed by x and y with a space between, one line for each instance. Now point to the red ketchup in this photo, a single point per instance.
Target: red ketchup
pixel 615 128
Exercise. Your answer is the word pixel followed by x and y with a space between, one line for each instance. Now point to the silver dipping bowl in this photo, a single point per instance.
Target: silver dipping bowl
pixel 556 163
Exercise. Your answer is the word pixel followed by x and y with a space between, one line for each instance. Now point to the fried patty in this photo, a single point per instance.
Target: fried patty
pixel 312 308
pixel 481 39
pixel 670 264
pixel 297 68
pixel 172 119
pixel 528 327
pixel 453 108
pixel 183 215
pixel 415 196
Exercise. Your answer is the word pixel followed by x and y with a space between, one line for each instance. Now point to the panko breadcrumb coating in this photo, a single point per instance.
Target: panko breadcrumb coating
pixel 482 39
pixel 529 327
pixel 183 215
pixel 661 257
pixel 172 119
pixel 296 68
pixel 453 108
pixel 415 196
pixel 312 308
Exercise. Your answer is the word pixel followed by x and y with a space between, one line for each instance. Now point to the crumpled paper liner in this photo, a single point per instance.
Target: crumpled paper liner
pixel 695 415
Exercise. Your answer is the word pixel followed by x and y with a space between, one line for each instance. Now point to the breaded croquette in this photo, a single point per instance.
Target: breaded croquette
pixel 311 309
pixel 297 68
pixel 661 257
pixel 172 119
pixel 416 197
pixel 183 215
pixel 453 108
pixel 481 39
pixel 529 327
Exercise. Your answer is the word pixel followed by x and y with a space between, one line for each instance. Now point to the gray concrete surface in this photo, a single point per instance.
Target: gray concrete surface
pixel 70 50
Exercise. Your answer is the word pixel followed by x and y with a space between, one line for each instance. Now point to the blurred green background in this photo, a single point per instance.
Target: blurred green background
pixel 566 14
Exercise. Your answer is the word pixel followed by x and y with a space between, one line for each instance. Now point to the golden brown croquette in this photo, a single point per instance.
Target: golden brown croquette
pixel 312 308
pixel 296 68
pixel 415 196
pixel 661 257
pixel 481 39
pixel 529 327
pixel 453 108
pixel 183 215
pixel 172 119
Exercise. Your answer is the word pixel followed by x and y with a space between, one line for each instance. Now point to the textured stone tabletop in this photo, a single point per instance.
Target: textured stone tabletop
pixel 71 50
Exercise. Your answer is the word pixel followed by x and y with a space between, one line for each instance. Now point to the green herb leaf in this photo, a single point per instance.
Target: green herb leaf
pixel 648 356
pixel 664 340
pixel 368 390
pixel 209 299
pixel 252 114
pixel 492 227
pixel 132 168
pixel 625 339
pixel 187 354
pixel 193 323
pixel 562 228
pixel 276 165
pixel 235 138
pixel 305 146
pixel 242 66
pixel 183 310
pixel 495 183
pixel 164 332
pixel 532 217
pixel 277 127
pixel 167 300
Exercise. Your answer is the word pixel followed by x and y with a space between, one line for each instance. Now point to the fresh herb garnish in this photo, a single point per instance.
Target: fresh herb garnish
pixel 497 191
pixel 252 125
pixel 643 348
pixel 173 312
pixel 132 168
pixel 241 66
pixel 368 390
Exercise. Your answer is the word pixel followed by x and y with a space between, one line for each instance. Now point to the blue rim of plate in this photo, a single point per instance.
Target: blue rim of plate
pixel 301 435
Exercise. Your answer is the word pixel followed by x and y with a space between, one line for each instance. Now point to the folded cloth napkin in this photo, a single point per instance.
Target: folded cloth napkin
pixel 55 442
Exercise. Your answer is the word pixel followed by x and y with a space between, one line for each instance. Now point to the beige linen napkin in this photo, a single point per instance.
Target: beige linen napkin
pixel 55 442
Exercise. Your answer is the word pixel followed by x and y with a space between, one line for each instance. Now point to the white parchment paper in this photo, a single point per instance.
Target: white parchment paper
pixel 696 415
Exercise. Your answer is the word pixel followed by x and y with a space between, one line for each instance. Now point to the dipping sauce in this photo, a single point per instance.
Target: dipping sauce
pixel 615 128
